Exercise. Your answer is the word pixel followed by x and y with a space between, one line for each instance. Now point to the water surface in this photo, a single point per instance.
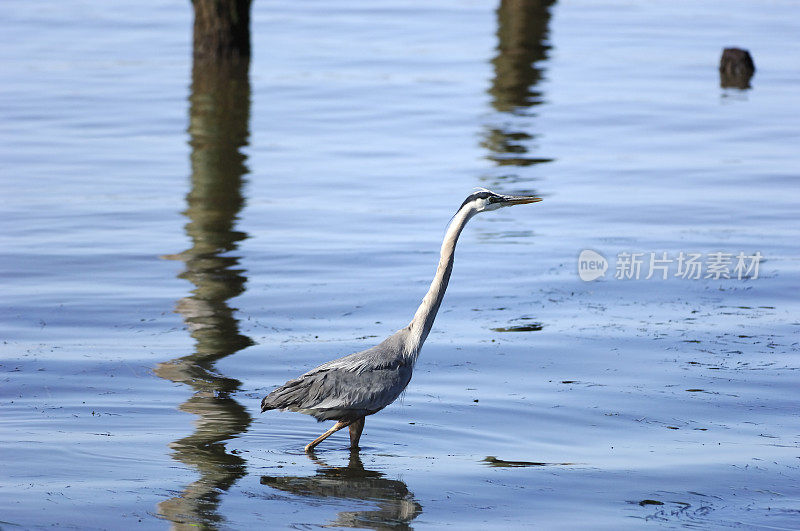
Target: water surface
pixel 175 246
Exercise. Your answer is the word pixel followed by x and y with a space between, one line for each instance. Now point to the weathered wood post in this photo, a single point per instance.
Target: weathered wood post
pixel 221 29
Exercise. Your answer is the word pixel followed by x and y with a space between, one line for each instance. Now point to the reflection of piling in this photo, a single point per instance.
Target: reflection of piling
pixel 736 68
pixel 521 35
pixel 219 116
pixel 396 506
pixel 522 27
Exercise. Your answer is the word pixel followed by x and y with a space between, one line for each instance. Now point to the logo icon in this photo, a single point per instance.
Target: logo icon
pixel 591 265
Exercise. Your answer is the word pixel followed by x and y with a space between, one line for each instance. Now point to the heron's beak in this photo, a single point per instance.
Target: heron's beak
pixel 509 200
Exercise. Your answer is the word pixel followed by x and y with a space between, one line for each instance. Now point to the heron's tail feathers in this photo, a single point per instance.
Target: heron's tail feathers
pixel 266 406
pixel 291 395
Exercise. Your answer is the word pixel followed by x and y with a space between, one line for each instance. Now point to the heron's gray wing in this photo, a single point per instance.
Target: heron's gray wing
pixel 362 393
pixel 341 393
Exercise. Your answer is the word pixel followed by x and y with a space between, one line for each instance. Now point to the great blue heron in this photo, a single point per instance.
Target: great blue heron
pixel 350 388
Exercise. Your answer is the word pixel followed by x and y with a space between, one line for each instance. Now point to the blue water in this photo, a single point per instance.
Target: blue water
pixel 172 249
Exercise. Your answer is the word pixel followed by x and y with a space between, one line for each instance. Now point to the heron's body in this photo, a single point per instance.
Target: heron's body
pixel 352 387
pixel 348 388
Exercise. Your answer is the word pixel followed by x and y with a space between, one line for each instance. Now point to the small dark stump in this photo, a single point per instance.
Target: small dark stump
pixel 736 67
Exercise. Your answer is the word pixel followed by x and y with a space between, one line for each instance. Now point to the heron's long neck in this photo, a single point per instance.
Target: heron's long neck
pixel 422 322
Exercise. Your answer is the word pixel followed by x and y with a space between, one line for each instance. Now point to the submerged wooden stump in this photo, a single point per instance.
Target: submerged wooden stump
pixel 736 67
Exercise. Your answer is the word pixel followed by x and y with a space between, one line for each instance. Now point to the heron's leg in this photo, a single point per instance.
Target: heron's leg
pixel 336 427
pixel 355 433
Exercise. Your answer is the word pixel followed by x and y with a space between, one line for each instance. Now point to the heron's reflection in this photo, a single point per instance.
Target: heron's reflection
pixel 522 44
pixel 218 128
pixel 396 506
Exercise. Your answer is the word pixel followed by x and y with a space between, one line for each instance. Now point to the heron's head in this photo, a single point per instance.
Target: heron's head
pixel 485 200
